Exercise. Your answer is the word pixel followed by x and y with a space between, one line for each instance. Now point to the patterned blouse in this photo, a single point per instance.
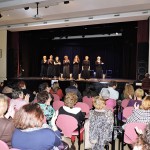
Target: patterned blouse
pixel 101 127
pixel 139 115
pixel 48 112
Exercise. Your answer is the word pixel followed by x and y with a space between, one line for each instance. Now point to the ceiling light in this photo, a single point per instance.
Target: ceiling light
pixel 26 8
pixel 1 15
pixel 66 2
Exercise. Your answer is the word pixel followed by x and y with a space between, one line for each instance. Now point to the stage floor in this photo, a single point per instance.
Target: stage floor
pixel 106 80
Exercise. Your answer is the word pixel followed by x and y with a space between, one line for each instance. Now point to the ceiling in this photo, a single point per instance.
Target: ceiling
pixel 56 14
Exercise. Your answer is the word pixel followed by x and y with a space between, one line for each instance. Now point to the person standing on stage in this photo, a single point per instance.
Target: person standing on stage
pixel 50 70
pixel 98 64
pixel 57 65
pixel 86 68
pixel 76 62
pixel 43 72
pixel 66 67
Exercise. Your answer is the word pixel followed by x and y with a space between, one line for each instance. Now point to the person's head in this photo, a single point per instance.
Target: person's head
pixel 44 97
pixel 51 56
pixel 99 102
pixel 76 58
pixel 29 116
pixel 105 94
pixel 113 84
pixel 57 58
pixel 55 86
pixel 44 87
pixel 147 75
pixel 86 57
pixel 66 57
pixel 44 57
pixel 3 104
pixel 98 58
pixel 128 90
pixel 139 93
pixel 144 139
pixel 70 99
pixel 73 83
pixel 17 93
pixel 145 103
pixel 21 85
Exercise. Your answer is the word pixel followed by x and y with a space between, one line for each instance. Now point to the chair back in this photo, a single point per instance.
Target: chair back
pixel 84 107
pixel 130 135
pixel 3 145
pixel 124 103
pixel 56 97
pixel 67 124
pixel 111 103
pixel 127 112
pixel 57 104
pixel 88 100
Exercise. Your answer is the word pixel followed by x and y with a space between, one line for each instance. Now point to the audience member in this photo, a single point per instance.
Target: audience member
pixel 100 124
pixel 69 109
pixel 73 88
pixel 146 83
pixel 28 122
pixel 143 141
pixel 44 87
pixel 6 125
pixel 44 98
pixel 55 89
pixel 90 91
pixel 104 93
pixel 112 89
pixel 22 86
pixel 128 92
pixel 141 114
pixel 18 99
pixel 139 93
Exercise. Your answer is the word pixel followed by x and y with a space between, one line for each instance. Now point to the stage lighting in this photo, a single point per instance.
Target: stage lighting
pixel 1 15
pixel 26 8
pixel 66 2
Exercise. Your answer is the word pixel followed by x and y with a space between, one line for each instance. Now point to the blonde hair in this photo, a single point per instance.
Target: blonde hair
pixel 139 93
pixel 129 90
pixel 145 103
pixel 29 116
pixel 55 86
pixel 3 104
pixel 99 102
pixel 70 99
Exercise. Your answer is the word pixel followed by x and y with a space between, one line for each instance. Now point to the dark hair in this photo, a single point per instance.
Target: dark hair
pixel 43 86
pixel 16 93
pixel 21 84
pixel 72 83
pixel 43 96
pixel 112 83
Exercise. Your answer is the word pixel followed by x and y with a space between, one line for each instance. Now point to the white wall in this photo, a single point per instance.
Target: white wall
pixel 3 59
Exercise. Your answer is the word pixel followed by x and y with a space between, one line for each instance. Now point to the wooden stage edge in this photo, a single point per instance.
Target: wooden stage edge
pixel 106 80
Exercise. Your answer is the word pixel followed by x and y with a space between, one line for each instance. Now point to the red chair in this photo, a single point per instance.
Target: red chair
pixel 124 103
pixel 56 97
pixel 57 104
pixel 4 146
pixel 111 103
pixel 84 107
pixel 127 112
pixel 69 126
pixel 88 100
pixel 130 135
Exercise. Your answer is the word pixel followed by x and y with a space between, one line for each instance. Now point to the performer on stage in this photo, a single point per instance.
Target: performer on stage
pixel 76 62
pixel 86 68
pixel 50 70
pixel 66 67
pixel 57 65
pixel 43 72
pixel 98 64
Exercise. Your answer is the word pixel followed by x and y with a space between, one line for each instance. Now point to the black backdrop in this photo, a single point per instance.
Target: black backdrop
pixel 118 53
